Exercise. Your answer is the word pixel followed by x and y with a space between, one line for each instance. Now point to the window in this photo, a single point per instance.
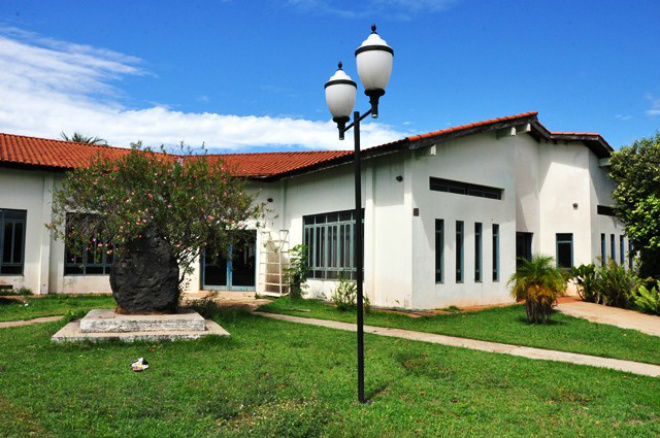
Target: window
pixel 622 254
pixel 523 246
pixel 603 249
pixel 462 188
pixel 92 258
pixel 459 251
pixel 612 248
pixel 605 210
pixel 439 250
pixel 496 252
pixel 12 241
pixel 329 240
pixel 631 254
pixel 565 250
pixel 477 251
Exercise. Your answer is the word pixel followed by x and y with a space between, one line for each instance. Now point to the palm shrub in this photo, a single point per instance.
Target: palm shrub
pixel 585 276
pixel 648 300
pixel 539 282
pixel 615 284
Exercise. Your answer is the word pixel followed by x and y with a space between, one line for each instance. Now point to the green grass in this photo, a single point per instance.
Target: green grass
pixel 501 324
pixel 37 307
pixel 277 379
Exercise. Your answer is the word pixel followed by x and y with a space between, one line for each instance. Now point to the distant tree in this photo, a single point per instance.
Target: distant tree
pixel 144 200
pixel 636 171
pixel 80 138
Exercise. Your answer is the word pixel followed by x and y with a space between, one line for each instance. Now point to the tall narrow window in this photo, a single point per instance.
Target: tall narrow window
pixel 565 250
pixel 496 252
pixel 603 250
pixel 631 254
pixel 12 241
pixel 477 251
pixel 459 251
pixel 439 250
pixel 523 246
pixel 622 253
pixel 612 248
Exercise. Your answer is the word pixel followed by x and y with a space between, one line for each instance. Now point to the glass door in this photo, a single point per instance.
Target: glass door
pixel 234 271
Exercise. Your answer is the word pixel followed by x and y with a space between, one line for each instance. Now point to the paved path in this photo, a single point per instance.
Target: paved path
pixel 623 318
pixel 492 347
pixel 29 321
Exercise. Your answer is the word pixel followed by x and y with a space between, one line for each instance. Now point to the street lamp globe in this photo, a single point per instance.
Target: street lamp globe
pixel 374 63
pixel 340 96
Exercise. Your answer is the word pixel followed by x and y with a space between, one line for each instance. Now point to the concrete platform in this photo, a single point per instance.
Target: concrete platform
pixel 107 321
pixel 186 325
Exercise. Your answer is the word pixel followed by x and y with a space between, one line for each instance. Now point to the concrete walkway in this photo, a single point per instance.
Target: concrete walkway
pixel 30 321
pixel 627 319
pixel 491 347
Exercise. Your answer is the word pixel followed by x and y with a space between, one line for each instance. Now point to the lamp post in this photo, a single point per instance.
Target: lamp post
pixel 374 63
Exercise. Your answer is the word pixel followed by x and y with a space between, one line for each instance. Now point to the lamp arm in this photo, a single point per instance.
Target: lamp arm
pixel 348 127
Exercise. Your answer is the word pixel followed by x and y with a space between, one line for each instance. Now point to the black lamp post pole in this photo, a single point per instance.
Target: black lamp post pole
pixel 358 243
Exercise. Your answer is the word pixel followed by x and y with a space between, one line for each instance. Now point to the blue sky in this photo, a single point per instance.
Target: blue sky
pixel 243 75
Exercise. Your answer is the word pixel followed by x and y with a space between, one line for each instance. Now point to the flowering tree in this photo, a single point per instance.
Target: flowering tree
pixel 187 202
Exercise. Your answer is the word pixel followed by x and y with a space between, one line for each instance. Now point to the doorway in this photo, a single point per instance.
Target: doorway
pixel 234 271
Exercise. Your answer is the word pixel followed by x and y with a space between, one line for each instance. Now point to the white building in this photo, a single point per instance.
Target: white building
pixel 446 214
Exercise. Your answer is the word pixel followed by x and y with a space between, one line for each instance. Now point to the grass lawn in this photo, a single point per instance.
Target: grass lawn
pixel 277 379
pixel 12 310
pixel 501 324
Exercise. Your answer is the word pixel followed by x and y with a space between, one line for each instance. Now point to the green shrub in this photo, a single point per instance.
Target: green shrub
pixel 585 276
pixel 648 301
pixel 615 285
pixel 298 271
pixel 539 282
pixel 345 296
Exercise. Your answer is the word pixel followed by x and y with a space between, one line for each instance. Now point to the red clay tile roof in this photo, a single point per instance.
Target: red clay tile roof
pixel 482 123
pixel 61 155
pixel 275 163
pixel 51 153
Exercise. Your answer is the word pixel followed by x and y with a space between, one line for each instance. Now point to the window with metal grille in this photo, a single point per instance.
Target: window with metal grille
pixel 12 241
pixel 329 239
pixel 93 257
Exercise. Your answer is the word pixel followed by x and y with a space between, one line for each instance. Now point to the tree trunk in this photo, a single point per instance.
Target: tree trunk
pixel 145 279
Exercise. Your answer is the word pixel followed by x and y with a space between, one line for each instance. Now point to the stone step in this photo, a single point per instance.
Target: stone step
pixel 107 321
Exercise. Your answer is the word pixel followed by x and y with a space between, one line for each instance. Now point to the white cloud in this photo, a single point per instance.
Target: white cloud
pixel 394 9
pixel 623 117
pixel 49 86
pixel 655 106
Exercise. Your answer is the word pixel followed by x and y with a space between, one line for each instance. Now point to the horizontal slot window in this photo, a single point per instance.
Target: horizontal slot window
pixel 463 188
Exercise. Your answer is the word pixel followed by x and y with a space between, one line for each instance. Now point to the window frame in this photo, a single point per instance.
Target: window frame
pixel 439 251
pixel 460 251
pixel 334 257
pixel 559 242
pixel 496 252
pixel 478 252
pixel 14 217
pixel 465 188
pixel 80 265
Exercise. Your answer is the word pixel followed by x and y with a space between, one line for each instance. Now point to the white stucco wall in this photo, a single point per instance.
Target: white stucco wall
pixel 480 159
pixel 541 182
